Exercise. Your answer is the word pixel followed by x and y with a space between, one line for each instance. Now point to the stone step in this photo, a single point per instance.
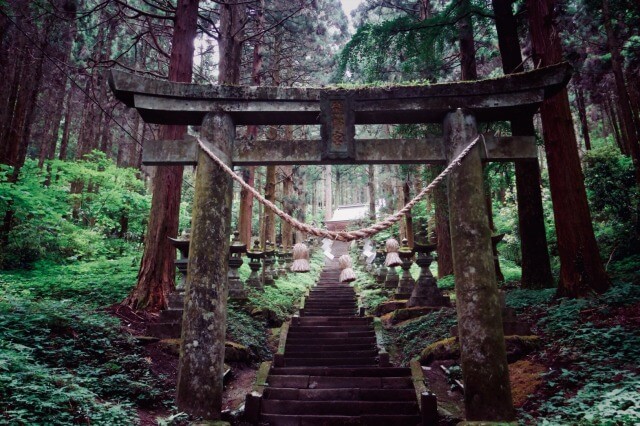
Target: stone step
pixel 329 328
pixel 171 315
pixel 312 353
pixel 365 420
pixel 345 408
pixel 343 372
pixel 314 303
pixel 331 334
pixel 322 321
pixel 329 340
pixel 165 330
pixel 340 394
pixel 336 382
pixel 325 312
pixel 291 348
pixel 329 362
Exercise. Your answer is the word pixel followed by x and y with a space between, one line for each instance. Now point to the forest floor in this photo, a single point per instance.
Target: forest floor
pixel 67 359
pixel 579 367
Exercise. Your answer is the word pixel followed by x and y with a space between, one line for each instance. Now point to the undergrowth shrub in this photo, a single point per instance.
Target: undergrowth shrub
pixel 594 379
pixel 96 283
pixel 414 335
pixel 248 331
pixel 68 364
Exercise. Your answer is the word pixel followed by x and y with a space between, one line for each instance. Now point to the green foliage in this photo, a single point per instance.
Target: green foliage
pixel 594 379
pixel 248 331
pixel 613 198
pixel 413 336
pixel 109 206
pixel 66 364
pixel 522 298
pixel 95 284
pixel 283 298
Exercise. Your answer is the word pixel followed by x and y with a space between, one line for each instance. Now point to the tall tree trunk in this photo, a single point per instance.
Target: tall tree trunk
pixel 443 232
pixel 630 134
pixel 467 44
pixel 371 186
pixel 269 232
pixel 581 269
pixel 248 173
pixel 66 130
pixel 582 113
pixel 287 204
pixel 328 190
pixel 613 122
pixel 406 192
pixel 157 270
pixel 536 265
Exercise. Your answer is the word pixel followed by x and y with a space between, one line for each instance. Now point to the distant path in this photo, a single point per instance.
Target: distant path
pixel 337 249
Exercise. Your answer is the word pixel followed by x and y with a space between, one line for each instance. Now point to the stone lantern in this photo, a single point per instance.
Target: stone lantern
pixel 281 254
pixel 406 283
pixel 381 271
pixel 236 287
pixel 426 291
pixel 268 261
pixel 255 256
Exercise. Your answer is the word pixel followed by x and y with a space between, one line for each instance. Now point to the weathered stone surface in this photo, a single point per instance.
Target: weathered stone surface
pixel 483 355
pixel 386 307
pixel 517 348
pixel 367 151
pixel 405 314
pixel 501 98
pixel 200 373
pixel 235 352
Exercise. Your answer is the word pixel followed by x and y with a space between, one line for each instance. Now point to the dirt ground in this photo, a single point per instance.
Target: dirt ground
pixel 164 363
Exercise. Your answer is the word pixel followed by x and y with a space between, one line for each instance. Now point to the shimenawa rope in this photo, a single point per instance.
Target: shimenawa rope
pixel 343 235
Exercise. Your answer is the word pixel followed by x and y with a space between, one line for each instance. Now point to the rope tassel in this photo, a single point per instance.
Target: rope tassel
pixel 347 275
pixel 300 258
pixel 393 259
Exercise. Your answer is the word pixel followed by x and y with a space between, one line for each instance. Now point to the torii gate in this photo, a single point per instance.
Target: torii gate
pixel 218 109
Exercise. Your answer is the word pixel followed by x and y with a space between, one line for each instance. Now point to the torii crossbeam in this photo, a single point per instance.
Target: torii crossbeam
pixel 218 109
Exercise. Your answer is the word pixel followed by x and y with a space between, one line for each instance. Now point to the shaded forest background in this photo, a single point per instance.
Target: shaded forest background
pixel 76 202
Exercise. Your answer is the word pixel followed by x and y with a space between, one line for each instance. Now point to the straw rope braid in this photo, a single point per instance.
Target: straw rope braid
pixel 343 235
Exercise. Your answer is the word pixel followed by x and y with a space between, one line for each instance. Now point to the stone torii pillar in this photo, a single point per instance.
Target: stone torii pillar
pixel 487 391
pixel 200 373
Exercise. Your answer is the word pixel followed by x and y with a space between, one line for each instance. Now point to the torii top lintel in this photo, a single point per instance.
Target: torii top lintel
pixel 503 98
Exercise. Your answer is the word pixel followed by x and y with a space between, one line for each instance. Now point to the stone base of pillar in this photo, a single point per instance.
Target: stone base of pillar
pixel 169 325
pixel 237 290
pixel 405 288
pixel 427 293
pixel 392 279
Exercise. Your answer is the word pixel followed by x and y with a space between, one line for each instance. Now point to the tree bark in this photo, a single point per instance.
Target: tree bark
pixel 287 204
pixel 443 232
pixel 467 44
pixel 406 192
pixel 582 113
pixel 269 232
pixel 371 186
pixel 248 173
pixel 66 130
pixel 536 265
pixel 328 191
pixel 156 277
pixel 630 134
pixel 581 269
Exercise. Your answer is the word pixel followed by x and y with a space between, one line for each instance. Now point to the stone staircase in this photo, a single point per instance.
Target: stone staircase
pixel 328 370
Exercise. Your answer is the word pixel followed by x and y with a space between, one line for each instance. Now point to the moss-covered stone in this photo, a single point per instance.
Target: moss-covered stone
pixel 443 349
